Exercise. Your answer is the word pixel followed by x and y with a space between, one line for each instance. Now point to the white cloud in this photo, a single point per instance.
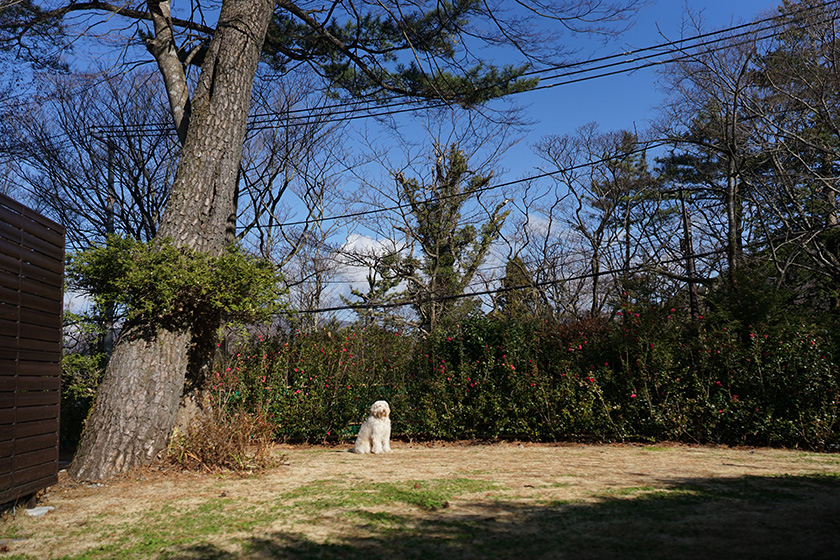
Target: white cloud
pixel 354 272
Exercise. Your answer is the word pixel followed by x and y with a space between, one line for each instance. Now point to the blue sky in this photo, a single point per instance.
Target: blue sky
pixel 625 101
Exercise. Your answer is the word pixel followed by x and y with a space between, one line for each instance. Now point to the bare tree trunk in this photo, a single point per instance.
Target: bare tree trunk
pixel 687 246
pixel 595 269
pixel 733 218
pixel 136 407
pixel 165 51
pixel 831 197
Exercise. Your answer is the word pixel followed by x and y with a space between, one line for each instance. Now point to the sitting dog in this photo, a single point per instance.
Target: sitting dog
pixel 375 433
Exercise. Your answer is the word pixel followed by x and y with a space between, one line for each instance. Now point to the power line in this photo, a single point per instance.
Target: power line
pixel 259 121
pixel 391 109
pixel 638 268
pixel 411 105
pixel 673 46
pixel 585 164
pixel 422 301
pixel 362 213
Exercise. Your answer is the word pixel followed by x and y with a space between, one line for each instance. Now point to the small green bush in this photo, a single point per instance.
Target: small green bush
pixel 81 374
pixel 157 283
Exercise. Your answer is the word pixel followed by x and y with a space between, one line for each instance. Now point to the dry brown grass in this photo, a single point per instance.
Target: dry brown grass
pixel 221 440
pixel 457 500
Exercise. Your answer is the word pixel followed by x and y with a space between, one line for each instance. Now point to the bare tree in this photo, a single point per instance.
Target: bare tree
pixel 603 211
pixel 365 48
pixel 709 117
pixel 73 157
pixel 797 122
pixel 296 149
pixel 295 154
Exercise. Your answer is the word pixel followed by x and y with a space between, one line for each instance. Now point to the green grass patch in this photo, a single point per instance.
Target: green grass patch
pixel 161 533
pixel 409 519
pixel 423 494
pixel 173 528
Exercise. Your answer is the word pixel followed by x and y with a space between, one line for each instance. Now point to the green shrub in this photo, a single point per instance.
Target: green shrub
pixel 318 385
pixel 157 283
pixel 649 374
pixel 81 374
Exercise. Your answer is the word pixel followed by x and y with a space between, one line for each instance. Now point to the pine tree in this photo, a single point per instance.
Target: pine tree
pixel 450 250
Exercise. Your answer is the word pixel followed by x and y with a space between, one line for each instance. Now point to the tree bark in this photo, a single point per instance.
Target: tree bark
pixel 202 198
pixel 138 402
pixel 135 406
pixel 733 221
pixel 165 51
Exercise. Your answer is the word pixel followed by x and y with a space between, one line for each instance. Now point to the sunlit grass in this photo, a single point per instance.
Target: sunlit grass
pixel 337 518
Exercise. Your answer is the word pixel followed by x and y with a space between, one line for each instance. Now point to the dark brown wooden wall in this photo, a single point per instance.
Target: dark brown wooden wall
pixel 31 291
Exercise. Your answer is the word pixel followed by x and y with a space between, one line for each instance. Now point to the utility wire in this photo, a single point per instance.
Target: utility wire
pixel 575 167
pixel 391 109
pixel 257 121
pixel 422 301
pixel 674 46
pixel 651 145
pixel 260 120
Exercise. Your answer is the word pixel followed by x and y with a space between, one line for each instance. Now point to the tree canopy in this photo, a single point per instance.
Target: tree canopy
pixel 207 54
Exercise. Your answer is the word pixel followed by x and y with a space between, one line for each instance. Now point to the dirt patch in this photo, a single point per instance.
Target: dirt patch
pixel 426 500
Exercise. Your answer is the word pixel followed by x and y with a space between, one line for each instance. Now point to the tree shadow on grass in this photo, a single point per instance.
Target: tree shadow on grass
pixel 745 518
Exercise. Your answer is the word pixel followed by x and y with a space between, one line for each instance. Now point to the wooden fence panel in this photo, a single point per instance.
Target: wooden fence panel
pixel 31 293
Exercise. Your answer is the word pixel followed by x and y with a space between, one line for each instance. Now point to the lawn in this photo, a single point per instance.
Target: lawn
pixel 455 501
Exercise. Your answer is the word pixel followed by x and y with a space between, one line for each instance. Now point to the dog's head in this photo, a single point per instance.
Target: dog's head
pixel 380 409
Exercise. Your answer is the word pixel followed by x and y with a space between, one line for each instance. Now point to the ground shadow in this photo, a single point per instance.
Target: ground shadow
pixel 745 518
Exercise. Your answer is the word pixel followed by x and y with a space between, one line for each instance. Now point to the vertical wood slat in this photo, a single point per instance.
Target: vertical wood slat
pixel 32 270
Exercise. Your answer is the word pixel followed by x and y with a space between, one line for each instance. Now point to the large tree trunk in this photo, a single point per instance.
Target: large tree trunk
pixel 137 405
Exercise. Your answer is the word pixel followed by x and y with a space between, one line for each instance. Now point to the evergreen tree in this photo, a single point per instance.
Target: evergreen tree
pixel 449 248
pixel 800 108
pixel 520 298
pixel 420 50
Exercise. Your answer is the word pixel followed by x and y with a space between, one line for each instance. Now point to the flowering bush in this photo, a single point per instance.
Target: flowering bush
pixel 317 385
pixel 649 374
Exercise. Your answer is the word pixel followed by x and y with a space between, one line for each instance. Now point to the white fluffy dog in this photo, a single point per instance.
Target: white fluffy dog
pixel 375 433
